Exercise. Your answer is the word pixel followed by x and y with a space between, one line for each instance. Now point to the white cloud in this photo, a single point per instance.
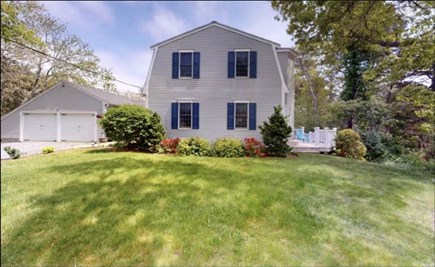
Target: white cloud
pixel 79 13
pixel 208 11
pixel 130 67
pixel 98 10
pixel 260 21
pixel 164 24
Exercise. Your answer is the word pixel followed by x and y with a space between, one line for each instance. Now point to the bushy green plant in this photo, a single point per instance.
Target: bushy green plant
pixel 228 148
pixel 47 149
pixel 348 144
pixel 275 134
pixel 375 148
pixel 194 146
pixel 133 127
pixel 13 153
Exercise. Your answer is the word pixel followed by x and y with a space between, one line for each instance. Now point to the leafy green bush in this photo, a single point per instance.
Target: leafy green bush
pixel 13 153
pixel 228 148
pixel 375 147
pixel 348 144
pixel 47 149
pixel 194 146
pixel 275 134
pixel 133 127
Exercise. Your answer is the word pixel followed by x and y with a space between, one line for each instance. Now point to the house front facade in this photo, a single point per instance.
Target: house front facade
pixel 216 81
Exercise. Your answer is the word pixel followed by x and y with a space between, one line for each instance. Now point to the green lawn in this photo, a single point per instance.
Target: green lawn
pixel 95 207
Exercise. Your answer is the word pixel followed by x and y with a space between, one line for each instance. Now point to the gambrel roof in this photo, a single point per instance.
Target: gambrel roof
pixel 217 24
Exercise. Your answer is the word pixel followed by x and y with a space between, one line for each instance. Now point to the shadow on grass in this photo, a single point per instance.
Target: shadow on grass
pixel 138 211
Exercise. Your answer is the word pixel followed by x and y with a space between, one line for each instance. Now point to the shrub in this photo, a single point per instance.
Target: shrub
pixel 169 146
pixel 254 148
pixel 228 148
pixel 47 149
pixel 412 161
pixel 133 127
pixel 13 153
pixel 375 147
pixel 194 146
pixel 276 133
pixel 348 144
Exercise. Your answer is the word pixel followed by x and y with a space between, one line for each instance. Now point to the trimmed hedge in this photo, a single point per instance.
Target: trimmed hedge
pixel 194 146
pixel 133 127
pixel 348 144
pixel 228 148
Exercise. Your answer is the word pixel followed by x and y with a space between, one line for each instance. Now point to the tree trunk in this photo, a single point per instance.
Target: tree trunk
pixel 350 123
pixel 311 87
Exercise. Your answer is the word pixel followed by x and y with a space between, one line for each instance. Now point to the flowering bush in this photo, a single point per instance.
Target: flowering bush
pixel 254 148
pixel 169 146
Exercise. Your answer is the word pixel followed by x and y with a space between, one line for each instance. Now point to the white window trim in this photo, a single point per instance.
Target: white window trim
pixel 179 64
pixel 235 62
pixel 191 115
pixel 247 124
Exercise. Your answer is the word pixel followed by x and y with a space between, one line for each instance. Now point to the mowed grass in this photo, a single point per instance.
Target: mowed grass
pixel 96 207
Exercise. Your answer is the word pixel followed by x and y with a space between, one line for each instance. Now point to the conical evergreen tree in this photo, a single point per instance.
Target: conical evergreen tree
pixel 275 134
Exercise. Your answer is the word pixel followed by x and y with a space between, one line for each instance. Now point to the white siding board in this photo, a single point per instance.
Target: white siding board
pixel 214 90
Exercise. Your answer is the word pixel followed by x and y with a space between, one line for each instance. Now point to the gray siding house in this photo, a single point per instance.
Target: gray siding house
pixel 216 81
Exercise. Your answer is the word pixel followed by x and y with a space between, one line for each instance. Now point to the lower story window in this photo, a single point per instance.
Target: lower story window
pixel 241 115
pixel 185 115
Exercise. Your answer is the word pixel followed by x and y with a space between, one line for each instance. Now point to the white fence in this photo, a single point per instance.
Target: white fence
pixel 319 138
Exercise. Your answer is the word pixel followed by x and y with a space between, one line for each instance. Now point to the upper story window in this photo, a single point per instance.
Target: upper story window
pixel 242 63
pixel 186 64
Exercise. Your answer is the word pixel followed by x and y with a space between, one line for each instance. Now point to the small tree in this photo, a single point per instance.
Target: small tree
pixel 276 133
pixel 133 127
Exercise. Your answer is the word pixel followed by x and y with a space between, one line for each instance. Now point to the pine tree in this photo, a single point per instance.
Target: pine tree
pixel 275 134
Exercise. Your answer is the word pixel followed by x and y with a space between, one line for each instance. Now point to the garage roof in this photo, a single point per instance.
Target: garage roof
pixel 104 96
pixel 107 97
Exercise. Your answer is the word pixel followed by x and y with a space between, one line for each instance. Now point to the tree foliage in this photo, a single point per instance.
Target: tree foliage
pixel 379 56
pixel 29 24
pixel 396 36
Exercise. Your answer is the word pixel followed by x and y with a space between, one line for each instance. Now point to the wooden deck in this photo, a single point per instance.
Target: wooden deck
pixel 317 141
pixel 301 147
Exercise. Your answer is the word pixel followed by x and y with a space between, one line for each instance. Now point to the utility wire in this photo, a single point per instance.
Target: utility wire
pixel 69 63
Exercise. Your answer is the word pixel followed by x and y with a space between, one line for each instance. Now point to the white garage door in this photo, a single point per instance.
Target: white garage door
pixel 78 127
pixel 40 127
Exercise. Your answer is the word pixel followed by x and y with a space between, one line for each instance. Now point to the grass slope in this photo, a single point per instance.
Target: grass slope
pixel 94 207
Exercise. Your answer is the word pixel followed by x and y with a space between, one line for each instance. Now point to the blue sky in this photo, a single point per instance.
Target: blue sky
pixel 122 32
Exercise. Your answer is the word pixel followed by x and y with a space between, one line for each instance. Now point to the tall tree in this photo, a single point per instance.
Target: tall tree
pixel 397 34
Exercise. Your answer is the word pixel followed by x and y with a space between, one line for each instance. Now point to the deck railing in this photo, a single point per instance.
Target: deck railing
pixel 319 137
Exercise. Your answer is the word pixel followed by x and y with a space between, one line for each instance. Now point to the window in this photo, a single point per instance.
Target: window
pixel 242 63
pixel 241 115
pixel 185 115
pixel 186 64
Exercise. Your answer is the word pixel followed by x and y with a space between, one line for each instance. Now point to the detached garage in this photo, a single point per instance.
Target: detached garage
pixel 66 112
